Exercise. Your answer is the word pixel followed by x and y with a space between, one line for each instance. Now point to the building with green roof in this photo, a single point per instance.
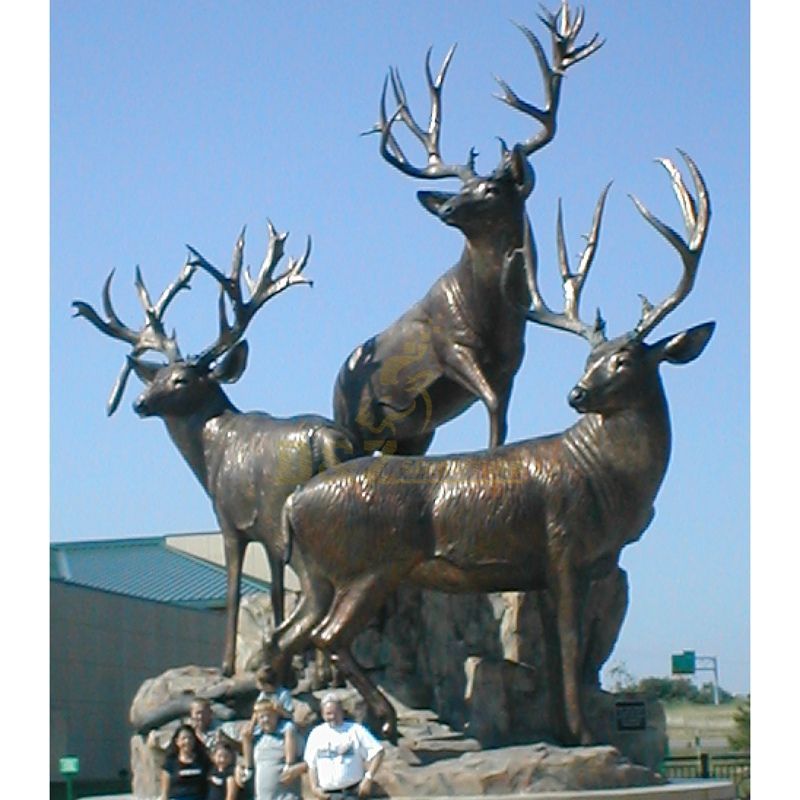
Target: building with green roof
pixel 123 611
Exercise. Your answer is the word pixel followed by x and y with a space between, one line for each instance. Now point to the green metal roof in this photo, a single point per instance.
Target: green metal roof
pixel 145 568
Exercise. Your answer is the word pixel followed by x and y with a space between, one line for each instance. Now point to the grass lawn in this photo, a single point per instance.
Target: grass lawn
pixel 686 722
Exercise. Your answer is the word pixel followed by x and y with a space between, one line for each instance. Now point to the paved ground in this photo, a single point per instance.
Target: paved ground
pixel 679 790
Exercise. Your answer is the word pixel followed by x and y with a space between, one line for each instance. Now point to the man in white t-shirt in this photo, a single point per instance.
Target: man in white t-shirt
pixel 342 756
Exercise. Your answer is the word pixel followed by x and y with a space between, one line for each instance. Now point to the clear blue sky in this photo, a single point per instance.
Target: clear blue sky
pixel 177 122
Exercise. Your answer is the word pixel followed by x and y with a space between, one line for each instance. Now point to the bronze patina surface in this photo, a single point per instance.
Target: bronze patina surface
pixel 248 463
pixel 550 513
pixel 463 341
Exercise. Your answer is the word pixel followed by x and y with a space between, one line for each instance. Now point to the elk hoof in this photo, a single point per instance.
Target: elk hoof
pixel 227 669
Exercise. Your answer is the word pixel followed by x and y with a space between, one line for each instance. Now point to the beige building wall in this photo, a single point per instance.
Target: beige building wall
pixel 209 547
pixel 103 646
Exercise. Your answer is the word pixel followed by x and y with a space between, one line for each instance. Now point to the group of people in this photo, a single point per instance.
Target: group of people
pixel 339 756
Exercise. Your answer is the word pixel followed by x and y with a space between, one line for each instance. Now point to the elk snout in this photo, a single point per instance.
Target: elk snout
pixel 141 407
pixel 577 398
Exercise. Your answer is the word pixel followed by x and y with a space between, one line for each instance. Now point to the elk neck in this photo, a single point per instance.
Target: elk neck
pixel 624 455
pixel 485 249
pixel 200 435
pixel 481 266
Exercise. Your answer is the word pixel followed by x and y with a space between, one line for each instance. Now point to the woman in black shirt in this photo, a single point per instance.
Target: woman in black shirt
pixel 185 771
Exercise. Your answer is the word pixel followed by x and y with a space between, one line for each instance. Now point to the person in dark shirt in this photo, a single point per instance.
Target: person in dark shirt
pixel 221 781
pixel 185 770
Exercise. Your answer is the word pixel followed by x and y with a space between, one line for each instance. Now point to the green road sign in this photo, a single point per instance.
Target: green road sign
pixel 683 663
pixel 68 765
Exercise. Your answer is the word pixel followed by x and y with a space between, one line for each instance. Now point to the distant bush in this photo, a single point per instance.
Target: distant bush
pixel 665 689
pixel 680 690
pixel 668 689
pixel 740 740
pixel 706 694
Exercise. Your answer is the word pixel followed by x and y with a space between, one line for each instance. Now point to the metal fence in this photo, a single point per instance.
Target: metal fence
pixel 734 767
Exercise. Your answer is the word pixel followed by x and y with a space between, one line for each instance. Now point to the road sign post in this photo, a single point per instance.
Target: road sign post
pixel 688 662
pixel 684 663
pixel 69 766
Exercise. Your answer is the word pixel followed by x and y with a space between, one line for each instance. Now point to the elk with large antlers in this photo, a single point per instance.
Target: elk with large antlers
pixel 248 463
pixel 464 340
pixel 548 514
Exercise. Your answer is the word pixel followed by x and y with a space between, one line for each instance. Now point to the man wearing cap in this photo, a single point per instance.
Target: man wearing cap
pixel 342 756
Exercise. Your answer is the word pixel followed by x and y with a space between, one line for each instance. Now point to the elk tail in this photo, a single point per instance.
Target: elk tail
pixel 332 445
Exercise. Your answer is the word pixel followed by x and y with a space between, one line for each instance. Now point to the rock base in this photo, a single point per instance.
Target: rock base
pixel 430 759
pixel 523 769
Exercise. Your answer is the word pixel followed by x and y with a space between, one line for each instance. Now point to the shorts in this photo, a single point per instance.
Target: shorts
pixel 343 794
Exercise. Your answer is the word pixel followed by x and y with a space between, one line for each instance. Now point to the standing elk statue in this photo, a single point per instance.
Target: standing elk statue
pixel 248 463
pixel 464 340
pixel 549 514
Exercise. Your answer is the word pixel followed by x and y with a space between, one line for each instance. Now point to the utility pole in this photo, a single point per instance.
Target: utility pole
pixel 687 663
pixel 711 666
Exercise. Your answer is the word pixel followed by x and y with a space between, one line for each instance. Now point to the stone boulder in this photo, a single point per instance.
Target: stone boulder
pixel 469 672
pixel 512 770
pixel 168 696
pixel 431 759
pixel 478 661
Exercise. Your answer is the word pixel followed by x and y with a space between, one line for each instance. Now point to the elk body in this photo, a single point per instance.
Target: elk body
pixel 247 463
pixel 549 514
pixel 463 341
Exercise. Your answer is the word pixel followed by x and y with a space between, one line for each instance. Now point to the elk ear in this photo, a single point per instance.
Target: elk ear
pixel 433 201
pixel 521 171
pixel 231 367
pixel 685 346
pixel 145 370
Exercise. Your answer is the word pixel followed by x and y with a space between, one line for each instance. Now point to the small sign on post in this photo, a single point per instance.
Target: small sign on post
pixel 69 766
pixel 683 663
pixel 631 715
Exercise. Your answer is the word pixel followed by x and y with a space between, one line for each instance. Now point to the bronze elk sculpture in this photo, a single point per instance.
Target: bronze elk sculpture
pixel 548 514
pixel 248 463
pixel 463 341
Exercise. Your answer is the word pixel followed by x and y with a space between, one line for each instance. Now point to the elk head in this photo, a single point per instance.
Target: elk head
pixel 623 373
pixel 498 198
pixel 182 386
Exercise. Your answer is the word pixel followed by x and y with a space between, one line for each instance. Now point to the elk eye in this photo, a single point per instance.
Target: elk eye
pixel 620 362
pixel 179 380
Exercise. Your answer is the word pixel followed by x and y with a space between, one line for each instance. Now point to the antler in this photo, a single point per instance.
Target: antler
pixel 151 336
pixel 263 288
pixel 569 319
pixel 696 216
pixel 389 147
pixel 563 31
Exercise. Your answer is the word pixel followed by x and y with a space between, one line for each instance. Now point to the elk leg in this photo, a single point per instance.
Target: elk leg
pixel 376 700
pixel 276 587
pixel 295 633
pixel 235 545
pixel 569 638
pixel 552 654
pixel 353 606
pixel 498 420
pixel 462 366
